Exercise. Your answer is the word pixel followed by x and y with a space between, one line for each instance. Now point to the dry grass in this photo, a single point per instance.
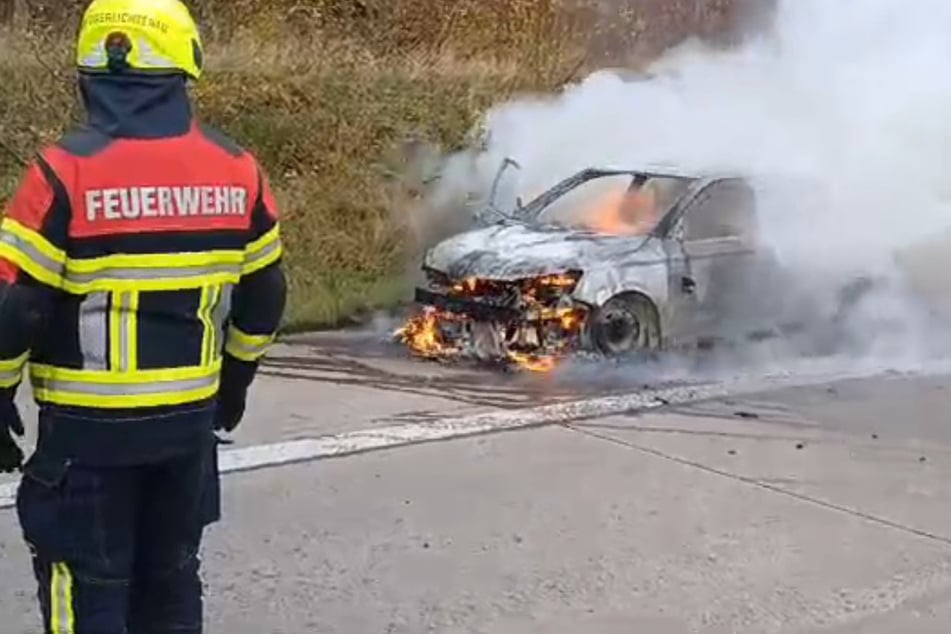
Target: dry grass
pixel 328 92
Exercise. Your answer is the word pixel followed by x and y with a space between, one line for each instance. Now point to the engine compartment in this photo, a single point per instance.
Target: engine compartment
pixel 530 322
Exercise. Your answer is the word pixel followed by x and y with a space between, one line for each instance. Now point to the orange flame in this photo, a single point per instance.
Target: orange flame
pixel 541 364
pixel 423 336
pixel 467 286
pixel 623 212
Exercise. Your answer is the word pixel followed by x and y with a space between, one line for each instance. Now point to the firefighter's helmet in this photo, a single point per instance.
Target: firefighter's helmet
pixel 139 36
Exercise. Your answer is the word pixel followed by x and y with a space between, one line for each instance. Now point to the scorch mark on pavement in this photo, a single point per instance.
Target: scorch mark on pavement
pixel 345 444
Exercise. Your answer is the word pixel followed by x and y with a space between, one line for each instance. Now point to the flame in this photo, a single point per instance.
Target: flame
pixel 467 286
pixel 623 212
pixel 421 334
pixel 544 363
pixel 535 343
pixel 559 280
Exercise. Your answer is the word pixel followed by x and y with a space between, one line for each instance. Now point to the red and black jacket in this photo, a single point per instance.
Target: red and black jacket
pixel 151 247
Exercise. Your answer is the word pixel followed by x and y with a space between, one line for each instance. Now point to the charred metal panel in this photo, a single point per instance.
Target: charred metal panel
pixel 475 309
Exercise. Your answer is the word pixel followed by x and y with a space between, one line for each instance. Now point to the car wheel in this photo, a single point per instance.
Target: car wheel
pixel 626 324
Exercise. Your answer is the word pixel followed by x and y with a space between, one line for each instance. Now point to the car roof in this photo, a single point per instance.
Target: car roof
pixel 660 171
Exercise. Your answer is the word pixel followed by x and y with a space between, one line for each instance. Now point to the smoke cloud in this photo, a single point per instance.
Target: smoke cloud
pixel 846 102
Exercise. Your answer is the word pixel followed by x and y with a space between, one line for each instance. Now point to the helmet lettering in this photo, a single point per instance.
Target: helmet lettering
pixel 136 19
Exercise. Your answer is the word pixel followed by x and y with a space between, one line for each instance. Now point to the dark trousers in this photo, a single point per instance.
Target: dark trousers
pixel 115 549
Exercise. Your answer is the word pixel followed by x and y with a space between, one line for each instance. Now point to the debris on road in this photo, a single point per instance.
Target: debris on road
pixel 747 415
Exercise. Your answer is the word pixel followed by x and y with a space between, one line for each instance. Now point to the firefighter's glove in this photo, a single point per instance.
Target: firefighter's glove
pixel 11 456
pixel 236 378
pixel 229 412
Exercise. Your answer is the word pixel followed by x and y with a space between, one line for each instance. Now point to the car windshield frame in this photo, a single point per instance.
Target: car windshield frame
pixel 532 213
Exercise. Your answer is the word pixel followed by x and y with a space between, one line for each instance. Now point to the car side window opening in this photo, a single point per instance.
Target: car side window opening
pixel 725 210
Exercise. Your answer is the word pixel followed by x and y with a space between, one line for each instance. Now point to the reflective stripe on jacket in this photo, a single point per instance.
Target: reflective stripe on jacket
pixel 143 246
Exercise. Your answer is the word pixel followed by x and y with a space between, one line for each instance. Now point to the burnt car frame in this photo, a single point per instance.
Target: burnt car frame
pixel 522 284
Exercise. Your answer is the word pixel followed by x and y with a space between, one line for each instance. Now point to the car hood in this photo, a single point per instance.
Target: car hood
pixel 509 252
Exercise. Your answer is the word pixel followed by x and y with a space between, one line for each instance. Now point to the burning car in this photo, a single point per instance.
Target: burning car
pixel 608 261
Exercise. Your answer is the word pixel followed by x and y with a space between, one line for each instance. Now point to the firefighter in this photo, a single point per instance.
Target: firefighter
pixel 140 262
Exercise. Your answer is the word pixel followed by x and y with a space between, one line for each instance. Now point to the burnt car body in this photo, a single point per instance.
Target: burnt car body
pixel 545 279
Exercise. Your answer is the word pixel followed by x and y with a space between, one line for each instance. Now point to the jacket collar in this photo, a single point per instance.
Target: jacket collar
pixel 136 106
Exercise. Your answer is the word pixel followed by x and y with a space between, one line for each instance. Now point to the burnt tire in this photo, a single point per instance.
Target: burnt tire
pixel 626 325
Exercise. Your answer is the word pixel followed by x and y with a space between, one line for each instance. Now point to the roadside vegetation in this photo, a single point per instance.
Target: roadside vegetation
pixel 337 97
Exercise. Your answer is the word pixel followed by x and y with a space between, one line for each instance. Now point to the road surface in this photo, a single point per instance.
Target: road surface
pixel 746 507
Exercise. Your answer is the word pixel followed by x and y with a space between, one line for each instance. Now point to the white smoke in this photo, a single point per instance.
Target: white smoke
pixel 850 97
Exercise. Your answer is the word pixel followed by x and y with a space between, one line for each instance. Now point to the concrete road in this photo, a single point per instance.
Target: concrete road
pixel 807 510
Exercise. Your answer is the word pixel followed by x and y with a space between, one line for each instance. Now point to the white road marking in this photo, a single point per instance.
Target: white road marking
pixel 350 443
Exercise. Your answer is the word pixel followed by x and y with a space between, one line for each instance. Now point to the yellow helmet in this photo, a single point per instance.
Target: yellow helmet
pixel 139 35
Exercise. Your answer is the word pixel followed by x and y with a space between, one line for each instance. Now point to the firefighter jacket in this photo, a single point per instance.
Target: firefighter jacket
pixel 153 245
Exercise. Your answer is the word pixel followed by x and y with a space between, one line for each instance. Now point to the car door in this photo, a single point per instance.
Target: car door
pixel 712 250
